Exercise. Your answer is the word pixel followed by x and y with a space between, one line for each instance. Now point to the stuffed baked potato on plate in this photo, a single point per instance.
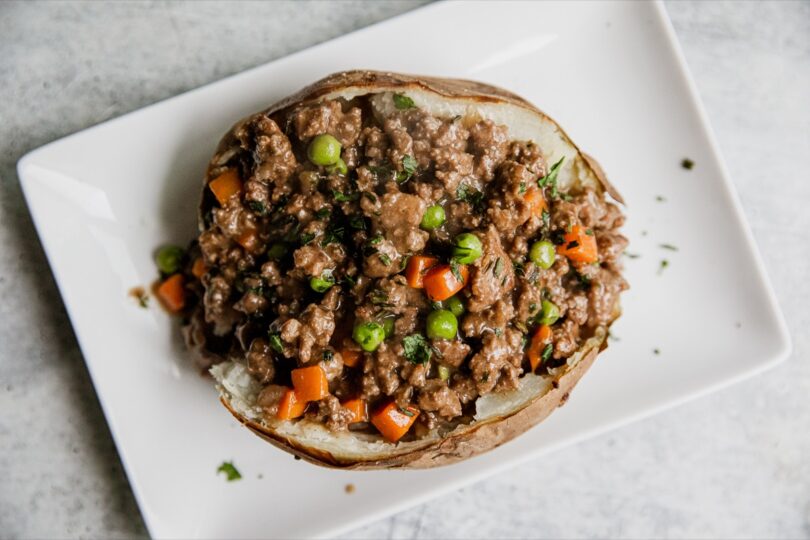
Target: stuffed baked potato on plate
pixel 399 271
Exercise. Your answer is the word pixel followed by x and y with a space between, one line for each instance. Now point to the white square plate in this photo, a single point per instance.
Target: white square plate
pixel 611 74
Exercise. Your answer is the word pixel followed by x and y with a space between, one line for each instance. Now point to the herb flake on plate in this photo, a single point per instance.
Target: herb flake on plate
pixel 231 472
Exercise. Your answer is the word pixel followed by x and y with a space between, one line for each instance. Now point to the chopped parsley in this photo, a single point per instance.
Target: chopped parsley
pixel 417 349
pixel 376 239
pixel 664 264
pixel 339 196
pixel 687 164
pixel 631 255
pixel 257 207
pixel 470 195
pixel 546 354
pixel 378 297
pixel 357 222
pixel 275 342
pixel 409 166
pixel 322 213
pixel 668 246
pixel 385 259
pixel 231 473
pixel 454 268
pixel 660 198
pixel 550 179
pixel 332 235
pixel 546 219
pixel 402 102
pixel 406 412
pixel 522 188
pixel 306 238
pixel 656 351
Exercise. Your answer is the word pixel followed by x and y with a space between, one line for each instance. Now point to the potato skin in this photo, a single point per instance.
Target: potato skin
pixel 481 436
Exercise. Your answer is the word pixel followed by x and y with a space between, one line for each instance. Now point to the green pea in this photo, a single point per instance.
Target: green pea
pixel 339 167
pixel 277 251
pixel 542 254
pixel 444 372
pixel 388 326
pixel 433 218
pixel 455 306
pixel 324 150
pixel 549 313
pixel 169 259
pixel 467 248
pixel 322 283
pixel 441 324
pixel 368 335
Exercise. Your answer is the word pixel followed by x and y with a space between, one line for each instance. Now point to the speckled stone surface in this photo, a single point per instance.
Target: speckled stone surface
pixel 735 464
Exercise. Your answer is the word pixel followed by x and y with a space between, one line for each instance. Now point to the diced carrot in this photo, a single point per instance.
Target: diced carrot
pixel 226 185
pixel 351 357
pixel 441 283
pixel 198 269
pixel 393 422
pixel 172 293
pixel 248 240
pixel 290 406
pixel 540 339
pixel 417 266
pixel 579 245
pixel 358 407
pixel 310 383
pixel 536 202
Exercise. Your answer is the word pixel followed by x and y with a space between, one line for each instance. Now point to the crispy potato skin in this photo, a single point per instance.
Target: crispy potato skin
pixel 480 436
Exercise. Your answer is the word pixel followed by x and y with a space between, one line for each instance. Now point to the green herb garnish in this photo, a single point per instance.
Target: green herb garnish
pixel 470 195
pixel 550 179
pixel 454 268
pixel 339 196
pixel 402 102
pixel 275 342
pixel 357 222
pixel 409 166
pixel 417 349
pixel 230 471
pixel 668 246
pixel 546 354
pixel 332 235
pixel 257 207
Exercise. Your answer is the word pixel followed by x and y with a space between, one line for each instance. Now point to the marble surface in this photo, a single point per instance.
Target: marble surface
pixel 735 464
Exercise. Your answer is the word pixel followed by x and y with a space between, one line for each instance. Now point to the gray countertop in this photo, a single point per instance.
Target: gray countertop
pixel 736 463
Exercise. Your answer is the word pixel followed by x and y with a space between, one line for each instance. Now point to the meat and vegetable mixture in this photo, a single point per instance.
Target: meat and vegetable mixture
pixel 380 272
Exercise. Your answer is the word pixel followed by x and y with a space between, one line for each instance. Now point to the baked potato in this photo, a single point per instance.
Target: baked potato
pixel 400 271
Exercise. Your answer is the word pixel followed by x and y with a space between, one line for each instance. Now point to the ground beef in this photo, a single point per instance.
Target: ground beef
pixel 307 253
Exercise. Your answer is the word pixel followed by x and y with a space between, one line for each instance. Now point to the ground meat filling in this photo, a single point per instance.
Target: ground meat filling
pixel 296 255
